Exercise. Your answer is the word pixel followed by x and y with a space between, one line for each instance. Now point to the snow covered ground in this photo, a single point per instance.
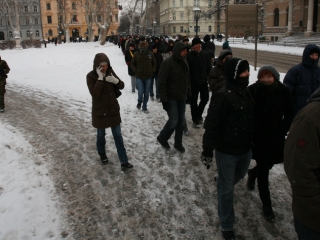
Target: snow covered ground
pixel 30 204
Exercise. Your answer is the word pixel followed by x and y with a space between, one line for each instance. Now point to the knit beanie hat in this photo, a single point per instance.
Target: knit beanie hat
pixel 271 69
pixel 314 50
pixel 225 45
pixel 206 38
pixel 195 41
pixel 233 68
pixel 224 53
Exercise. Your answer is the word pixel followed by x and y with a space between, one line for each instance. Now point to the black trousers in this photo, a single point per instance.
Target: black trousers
pixel 197 109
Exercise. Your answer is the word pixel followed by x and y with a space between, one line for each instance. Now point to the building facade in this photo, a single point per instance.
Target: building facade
pixel 30 22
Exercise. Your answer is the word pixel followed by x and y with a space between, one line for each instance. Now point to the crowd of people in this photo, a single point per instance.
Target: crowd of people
pixel 269 121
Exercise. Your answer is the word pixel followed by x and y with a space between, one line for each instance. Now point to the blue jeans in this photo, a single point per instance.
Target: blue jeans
pixel 231 169
pixel 176 114
pixel 143 91
pixel 304 232
pixel 154 78
pixel 133 83
pixel 118 140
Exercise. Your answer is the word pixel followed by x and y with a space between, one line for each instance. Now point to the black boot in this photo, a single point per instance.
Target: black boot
pixel 103 157
pixel 251 182
pixel 268 213
pixel 126 166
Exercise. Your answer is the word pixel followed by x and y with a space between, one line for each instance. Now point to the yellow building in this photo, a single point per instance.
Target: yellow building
pixel 76 20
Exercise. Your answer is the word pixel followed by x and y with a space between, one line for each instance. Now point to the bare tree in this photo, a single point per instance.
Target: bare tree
pixel 103 18
pixel 132 6
pixel 88 6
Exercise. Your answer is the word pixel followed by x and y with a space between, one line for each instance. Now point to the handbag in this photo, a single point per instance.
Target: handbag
pixel 117 91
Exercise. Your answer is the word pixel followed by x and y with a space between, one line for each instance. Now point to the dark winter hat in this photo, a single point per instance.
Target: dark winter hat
pixel 225 45
pixel 195 41
pixel 132 45
pixel 270 69
pixel 206 38
pixel 224 53
pixel 314 50
pixel 234 67
pixel 154 46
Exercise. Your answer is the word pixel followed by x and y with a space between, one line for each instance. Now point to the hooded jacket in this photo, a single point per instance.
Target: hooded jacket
pixel 200 66
pixel 105 106
pixel 302 163
pixel 174 80
pixel 303 79
pixel 143 64
pixel 208 46
pixel 229 122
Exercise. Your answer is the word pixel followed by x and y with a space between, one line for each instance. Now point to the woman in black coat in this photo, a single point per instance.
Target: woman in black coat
pixel 273 113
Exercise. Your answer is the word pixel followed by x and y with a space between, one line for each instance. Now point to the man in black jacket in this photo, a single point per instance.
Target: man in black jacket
pixel 200 66
pixel 174 86
pixel 228 130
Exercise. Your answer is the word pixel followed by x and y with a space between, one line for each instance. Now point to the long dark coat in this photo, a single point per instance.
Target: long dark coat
pixel 105 106
pixel 273 114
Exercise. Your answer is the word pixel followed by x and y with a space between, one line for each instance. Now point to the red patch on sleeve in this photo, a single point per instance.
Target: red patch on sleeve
pixel 301 143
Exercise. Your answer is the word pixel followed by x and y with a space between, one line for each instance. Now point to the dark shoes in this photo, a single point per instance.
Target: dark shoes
pixel 139 105
pixel 103 157
pixel 1 110
pixel 126 166
pixel 228 235
pixel 251 182
pixel 268 213
pixel 180 148
pixel 164 144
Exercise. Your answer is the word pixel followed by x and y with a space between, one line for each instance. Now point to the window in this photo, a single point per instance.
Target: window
pixel 10 35
pixel 174 16
pixel 74 19
pixel 99 18
pixel 116 4
pixel 50 32
pixel 181 16
pixel 74 6
pixel 117 18
pixel 48 6
pixel 181 3
pixel 276 17
pixel 49 19
pixel 36 21
pixel 287 20
pixel 37 33
pixel 0 21
pixel 195 3
pixel 174 29
pixel 110 18
pixel 181 29
pixel 27 22
pixel 28 33
pixel 198 29
pixel 209 29
pixel 26 8
pixel 209 16
pixel 35 8
pixel 173 3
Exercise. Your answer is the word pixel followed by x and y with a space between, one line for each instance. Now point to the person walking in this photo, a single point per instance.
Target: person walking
pixel 304 78
pixel 102 81
pixel 154 78
pixel 228 130
pixel 302 166
pixel 273 114
pixel 174 86
pixel 200 65
pixel 210 47
pixel 216 77
pixel 128 57
pixel 143 65
pixel 4 70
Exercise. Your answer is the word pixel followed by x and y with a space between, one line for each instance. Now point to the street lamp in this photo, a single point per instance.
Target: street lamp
pixel 197 12
pixel 154 24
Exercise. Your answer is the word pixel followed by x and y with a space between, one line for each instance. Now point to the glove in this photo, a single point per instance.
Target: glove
pixel 206 161
pixel 166 105
pixel 112 79
pixel 100 74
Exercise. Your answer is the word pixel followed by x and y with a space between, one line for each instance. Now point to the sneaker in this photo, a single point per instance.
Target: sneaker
pixel 164 144
pixel 139 105
pixel 196 125
pixel 251 182
pixel 268 213
pixel 145 111
pixel 186 131
pixel 126 166
pixel 1 110
pixel 180 148
pixel 228 235
pixel 152 98
pixel 103 157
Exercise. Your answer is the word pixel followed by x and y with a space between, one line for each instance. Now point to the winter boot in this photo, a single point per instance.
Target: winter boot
pixel 1 110
pixel 126 166
pixel 164 144
pixel 139 105
pixel 228 235
pixel 251 182
pixel 268 213
pixel 103 157
pixel 180 148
